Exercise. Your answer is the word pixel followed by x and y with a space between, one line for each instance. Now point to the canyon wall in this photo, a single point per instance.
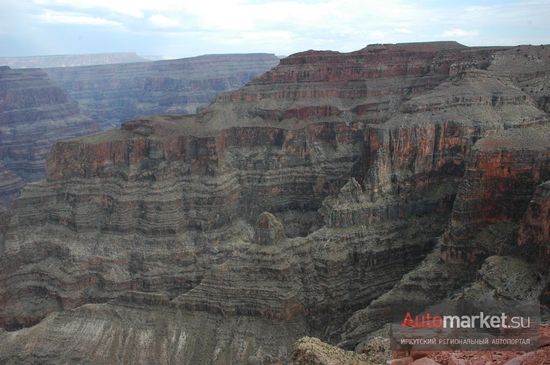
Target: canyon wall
pixel 38 108
pixel 34 113
pixel 115 93
pixel 306 203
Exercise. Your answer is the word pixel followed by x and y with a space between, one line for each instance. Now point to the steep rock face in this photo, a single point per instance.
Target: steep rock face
pixel 284 281
pixel 116 93
pixel 534 231
pixel 4 220
pixel 294 202
pixel 10 184
pixel 534 235
pixel 34 113
pixel 504 171
pixel 497 194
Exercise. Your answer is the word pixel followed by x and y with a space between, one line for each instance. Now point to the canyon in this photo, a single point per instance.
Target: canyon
pixel 284 221
pixel 41 106
pixel 34 113
pixel 115 93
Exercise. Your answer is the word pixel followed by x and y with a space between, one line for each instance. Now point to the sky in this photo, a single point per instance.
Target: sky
pixel 182 28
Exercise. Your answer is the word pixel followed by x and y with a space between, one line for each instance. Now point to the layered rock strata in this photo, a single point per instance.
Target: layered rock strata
pixel 497 226
pixel 115 93
pixel 534 235
pixel 305 203
pixel 534 231
pixel 499 183
pixel 34 113
pixel 10 184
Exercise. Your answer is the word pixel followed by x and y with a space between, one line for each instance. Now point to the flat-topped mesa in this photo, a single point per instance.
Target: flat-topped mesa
pixel 34 113
pixel 430 46
pixel 296 168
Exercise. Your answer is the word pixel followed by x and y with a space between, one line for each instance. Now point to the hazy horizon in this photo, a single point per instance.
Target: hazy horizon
pixel 176 29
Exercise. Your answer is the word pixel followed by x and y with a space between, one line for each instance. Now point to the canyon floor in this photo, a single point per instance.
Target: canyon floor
pixel 283 222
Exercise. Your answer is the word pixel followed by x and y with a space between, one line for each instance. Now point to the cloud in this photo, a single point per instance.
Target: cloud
pixel 378 34
pixel 122 7
pixel 457 32
pixel 403 30
pixel 161 21
pixel 280 26
pixel 57 17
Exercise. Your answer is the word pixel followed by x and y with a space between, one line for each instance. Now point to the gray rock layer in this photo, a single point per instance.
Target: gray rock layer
pixel 305 203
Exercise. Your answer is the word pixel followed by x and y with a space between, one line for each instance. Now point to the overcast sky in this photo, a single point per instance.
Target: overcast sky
pixel 180 28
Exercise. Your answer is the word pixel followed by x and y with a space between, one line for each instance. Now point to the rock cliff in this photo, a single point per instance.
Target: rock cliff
pixel 34 113
pixel 38 108
pixel 115 93
pixel 10 184
pixel 303 204
pixel 495 227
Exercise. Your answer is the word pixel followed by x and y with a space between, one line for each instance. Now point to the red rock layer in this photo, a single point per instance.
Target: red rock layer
pixel 356 158
pixel 500 180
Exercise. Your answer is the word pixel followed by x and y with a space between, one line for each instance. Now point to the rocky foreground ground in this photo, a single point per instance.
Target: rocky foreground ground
pixel 305 204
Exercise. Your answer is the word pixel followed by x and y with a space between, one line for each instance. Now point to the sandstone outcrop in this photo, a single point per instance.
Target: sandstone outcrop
pixel 306 203
pixel 133 334
pixel 311 351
